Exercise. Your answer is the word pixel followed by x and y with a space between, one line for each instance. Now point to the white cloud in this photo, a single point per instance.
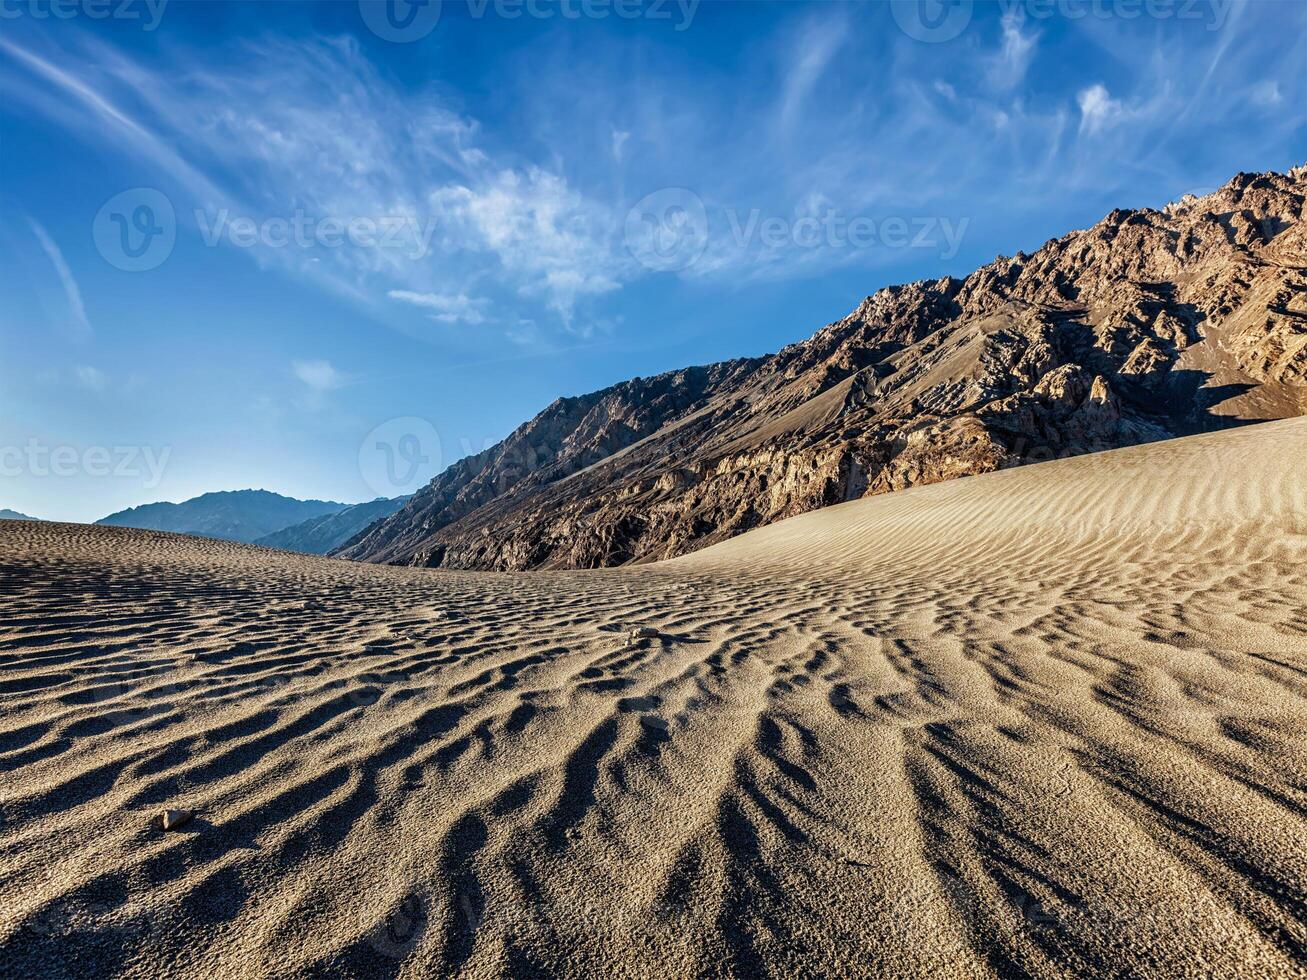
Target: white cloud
pixel 1009 67
pixel 450 308
pixel 342 142
pixel 619 143
pixel 529 213
pixel 524 333
pixel 90 378
pixel 1267 93
pixel 103 111
pixel 80 326
pixel 1098 110
pixel 320 376
pixel 814 50
pixel 550 239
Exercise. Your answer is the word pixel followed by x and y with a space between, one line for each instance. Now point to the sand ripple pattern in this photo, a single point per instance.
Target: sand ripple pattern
pixel 1050 723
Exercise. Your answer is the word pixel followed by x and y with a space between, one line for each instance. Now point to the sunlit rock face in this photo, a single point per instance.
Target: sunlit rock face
pixel 1148 325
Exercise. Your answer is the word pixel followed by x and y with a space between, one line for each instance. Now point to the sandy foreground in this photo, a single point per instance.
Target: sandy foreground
pixel 1048 722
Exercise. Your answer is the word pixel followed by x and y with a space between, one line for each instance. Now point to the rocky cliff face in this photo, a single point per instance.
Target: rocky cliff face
pixel 1150 324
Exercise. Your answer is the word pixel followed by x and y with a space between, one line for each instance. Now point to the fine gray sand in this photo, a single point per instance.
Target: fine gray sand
pixel 1048 722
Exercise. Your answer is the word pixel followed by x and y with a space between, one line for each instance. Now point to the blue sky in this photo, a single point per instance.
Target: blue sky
pixel 272 246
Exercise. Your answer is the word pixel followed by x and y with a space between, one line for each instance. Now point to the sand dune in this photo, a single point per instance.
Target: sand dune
pixel 1046 722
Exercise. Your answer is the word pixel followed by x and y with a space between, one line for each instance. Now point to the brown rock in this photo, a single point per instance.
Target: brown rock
pixel 1147 325
pixel 172 819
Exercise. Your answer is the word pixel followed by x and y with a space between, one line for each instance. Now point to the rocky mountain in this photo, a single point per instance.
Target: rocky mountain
pixel 1149 324
pixel 319 535
pixel 12 515
pixel 232 515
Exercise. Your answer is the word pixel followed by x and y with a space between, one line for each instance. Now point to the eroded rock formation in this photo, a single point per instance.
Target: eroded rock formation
pixel 1150 324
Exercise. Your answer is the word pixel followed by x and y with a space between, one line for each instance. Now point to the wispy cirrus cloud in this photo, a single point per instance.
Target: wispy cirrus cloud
pixel 341 143
pixel 838 112
pixel 85 103
pixel 1008 67
pixel 78 324
pixel 546 235
pixel 815 45
pixel 446 307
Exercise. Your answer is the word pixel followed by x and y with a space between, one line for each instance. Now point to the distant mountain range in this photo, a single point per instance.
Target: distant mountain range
pixel 13 515
pixel 231 515
pixel 257 517
pixel 319 535
pixel 1148 325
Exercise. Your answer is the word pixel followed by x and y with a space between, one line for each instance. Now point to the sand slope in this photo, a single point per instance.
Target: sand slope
pixel 1046 722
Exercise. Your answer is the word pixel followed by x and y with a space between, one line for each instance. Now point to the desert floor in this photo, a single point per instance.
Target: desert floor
pixel 1048 722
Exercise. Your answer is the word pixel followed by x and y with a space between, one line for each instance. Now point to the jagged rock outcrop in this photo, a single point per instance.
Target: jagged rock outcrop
pixel 1147 325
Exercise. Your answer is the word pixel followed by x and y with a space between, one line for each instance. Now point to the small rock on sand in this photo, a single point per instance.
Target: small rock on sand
pixel 643 633
pixel 172 819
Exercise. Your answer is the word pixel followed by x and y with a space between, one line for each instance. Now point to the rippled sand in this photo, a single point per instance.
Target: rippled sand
pixel 1048 722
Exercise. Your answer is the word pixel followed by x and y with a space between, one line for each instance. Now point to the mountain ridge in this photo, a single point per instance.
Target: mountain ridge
pixel 1147 325
pixel 321 534
pixel 229 515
